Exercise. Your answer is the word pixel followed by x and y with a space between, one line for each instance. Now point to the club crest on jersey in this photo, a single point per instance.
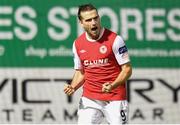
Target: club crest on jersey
pixel 103 49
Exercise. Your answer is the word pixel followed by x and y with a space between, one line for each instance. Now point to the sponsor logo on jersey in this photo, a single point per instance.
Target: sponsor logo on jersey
pixel 103 49
pixel 95 63
pixel 122 50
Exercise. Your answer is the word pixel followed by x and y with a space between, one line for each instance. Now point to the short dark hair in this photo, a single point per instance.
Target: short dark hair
pixel 85 7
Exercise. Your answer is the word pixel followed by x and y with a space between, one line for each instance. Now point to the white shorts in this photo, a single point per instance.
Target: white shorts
pixel 94 111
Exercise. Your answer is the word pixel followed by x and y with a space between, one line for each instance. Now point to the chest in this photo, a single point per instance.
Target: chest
pixel 92 51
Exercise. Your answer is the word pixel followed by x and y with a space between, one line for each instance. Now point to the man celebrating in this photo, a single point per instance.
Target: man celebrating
pixel 102 66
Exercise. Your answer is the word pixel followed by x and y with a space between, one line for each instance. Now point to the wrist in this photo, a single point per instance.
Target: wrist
pixel 113 85
pixel 73 87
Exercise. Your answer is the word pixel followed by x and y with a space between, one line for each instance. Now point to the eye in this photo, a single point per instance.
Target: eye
pixel 88 20
pixel 96 17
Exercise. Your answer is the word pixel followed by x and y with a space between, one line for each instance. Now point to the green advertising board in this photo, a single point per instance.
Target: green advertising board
pixel 40 33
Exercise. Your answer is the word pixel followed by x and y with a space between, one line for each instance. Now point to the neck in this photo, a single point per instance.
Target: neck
pixel 95 38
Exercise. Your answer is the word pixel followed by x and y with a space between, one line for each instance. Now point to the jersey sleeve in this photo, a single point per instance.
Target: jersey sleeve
pixel 120 51
pixel 77 62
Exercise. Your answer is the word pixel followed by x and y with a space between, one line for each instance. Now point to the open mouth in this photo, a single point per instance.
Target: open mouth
pixel 94 28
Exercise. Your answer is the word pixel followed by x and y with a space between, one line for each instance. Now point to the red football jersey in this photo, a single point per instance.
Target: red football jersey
pixel 101 59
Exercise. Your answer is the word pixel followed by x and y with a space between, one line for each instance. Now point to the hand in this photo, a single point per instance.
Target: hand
pixel 68 89
pixel 106 87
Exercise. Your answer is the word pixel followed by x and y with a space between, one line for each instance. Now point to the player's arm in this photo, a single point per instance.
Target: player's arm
pixel 77 82
pixel 121 54
pixel 121 79
pixel 78 77
pixel 123 76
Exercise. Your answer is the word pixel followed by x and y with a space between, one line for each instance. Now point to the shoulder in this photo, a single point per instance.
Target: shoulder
pixel 118 42
pixel 81 37
pixel 109 36
pixel 79 42
pixel 108 31
pixel 117 39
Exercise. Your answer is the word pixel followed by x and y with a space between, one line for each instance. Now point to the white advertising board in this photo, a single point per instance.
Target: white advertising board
pixel 36 96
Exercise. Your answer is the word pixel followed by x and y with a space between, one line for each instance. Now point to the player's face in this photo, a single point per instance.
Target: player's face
pixel 90 21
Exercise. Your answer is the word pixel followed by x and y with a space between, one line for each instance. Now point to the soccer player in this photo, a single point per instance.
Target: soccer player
pixel 102 66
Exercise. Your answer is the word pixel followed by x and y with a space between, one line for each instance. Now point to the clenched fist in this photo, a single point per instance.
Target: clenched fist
pixel 68 89
pixel 106 87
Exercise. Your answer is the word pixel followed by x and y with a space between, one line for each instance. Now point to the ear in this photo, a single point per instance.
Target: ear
pixel 81 23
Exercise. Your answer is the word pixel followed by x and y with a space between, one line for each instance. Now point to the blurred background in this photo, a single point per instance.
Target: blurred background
pixel 36 60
